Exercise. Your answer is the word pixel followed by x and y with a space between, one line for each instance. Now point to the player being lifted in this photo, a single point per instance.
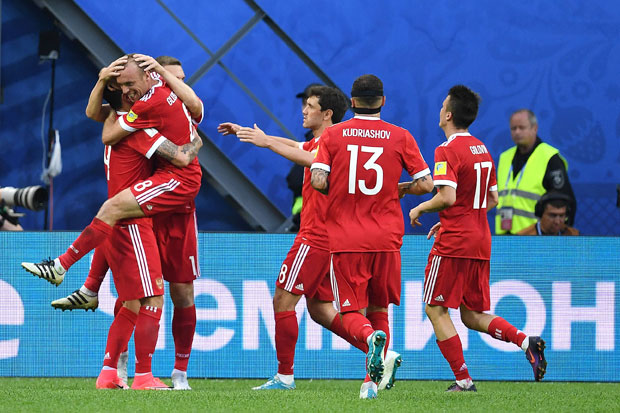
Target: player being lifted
pixel 457 274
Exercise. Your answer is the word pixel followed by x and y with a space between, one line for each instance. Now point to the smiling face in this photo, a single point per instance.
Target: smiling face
pixel 133 81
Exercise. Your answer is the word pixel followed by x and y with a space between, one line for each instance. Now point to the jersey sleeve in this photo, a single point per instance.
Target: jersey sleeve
pixel 322 157
pixel 196 120
pixel 493 178
pixel 143 114
pixel 414 161
pixel 445 170
pixel 145 141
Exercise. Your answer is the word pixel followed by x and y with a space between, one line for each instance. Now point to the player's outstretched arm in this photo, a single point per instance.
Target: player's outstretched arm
pixel 182 90
pixel 319 180
pixel 180 156
pixel 96 109
pixel 445 197
pixel 420 186
pixel 287 148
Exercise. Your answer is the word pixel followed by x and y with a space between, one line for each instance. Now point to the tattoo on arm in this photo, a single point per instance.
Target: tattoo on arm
pixel 167 150
pixel 319 180
pixel 191 149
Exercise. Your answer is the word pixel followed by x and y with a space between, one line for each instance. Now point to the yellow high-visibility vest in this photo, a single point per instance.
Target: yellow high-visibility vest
pixel 521 193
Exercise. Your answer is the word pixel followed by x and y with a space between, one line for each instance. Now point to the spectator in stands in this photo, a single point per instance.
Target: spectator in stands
pixel 295 177
pixel 553 209
pixel 525 172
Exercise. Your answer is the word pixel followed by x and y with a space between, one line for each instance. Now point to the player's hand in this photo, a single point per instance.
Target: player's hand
pixel 253 135
pixel 414 216
pixel 403 187
pixel 148 64
pixel 228 128
pixel 113 69
pixel 433 231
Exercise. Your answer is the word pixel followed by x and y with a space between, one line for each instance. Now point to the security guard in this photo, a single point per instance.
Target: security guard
pixel 525 172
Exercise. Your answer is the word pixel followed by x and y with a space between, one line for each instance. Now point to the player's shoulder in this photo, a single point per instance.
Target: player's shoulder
pixel 157 91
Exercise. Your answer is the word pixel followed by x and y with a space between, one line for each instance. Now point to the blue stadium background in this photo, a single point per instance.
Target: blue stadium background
pixel 559 58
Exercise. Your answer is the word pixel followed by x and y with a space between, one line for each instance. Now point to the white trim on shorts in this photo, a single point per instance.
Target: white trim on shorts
pixel 429 285
pixel 143 266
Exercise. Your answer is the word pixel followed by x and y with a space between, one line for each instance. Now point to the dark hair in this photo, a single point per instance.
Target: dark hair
pixel 367 90
pixel 114 97
pixel 168 61
pixel 330 98
pixel 464 106
pixel 554 198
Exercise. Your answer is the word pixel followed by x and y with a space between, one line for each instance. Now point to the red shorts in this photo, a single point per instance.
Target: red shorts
pixel 177 238
pixel 132 254
pixel 305 271
pixel 450 282
pixel 164 191
pixel 362 278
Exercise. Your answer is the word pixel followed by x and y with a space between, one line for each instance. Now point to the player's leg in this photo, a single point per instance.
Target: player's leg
pixel 350 274
pixel 477 300
pixel 122 205
pixel 145 338
pixel 183 329
pixel 118 336
pixel 443 289
pixel 86 297
pixel 324 314
pixel 297 276
pixel 177 239
pixel 286 333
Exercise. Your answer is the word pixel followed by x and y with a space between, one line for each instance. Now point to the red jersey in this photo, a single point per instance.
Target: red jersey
pixel 365 157
pixel 128 162
pixel 464 163
pixel 160 108
pixel 312 228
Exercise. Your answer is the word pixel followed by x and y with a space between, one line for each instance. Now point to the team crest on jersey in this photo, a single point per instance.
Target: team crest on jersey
pixel 441 168
pixel 131 116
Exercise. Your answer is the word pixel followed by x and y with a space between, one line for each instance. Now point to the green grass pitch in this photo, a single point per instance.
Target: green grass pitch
pixel 80 395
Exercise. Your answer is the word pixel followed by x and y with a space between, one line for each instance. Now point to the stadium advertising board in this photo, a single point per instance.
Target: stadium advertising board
pixel 564 289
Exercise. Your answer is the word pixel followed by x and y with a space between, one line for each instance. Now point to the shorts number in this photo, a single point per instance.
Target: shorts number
pixel 141 186
pixel 282 275
pixel 193 260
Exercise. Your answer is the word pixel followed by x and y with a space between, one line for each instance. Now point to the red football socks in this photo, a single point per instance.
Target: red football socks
pixel 503 330
pixel 338 328
pixel 145 337
pixel 183 328
pixel 98 269
pixel 287 331
pixel 91 236
pixel 379 321
pixel 452 351
pixel 357 325
pixel 119 335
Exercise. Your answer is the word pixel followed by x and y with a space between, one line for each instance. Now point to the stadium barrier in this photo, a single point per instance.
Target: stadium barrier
pixel 564 289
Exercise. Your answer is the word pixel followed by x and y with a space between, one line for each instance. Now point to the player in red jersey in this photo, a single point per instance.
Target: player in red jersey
pixel 133 255
pixel 169 189
pixel 176 234
pixel 364 158
pixel 457 274
pixel 305 270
